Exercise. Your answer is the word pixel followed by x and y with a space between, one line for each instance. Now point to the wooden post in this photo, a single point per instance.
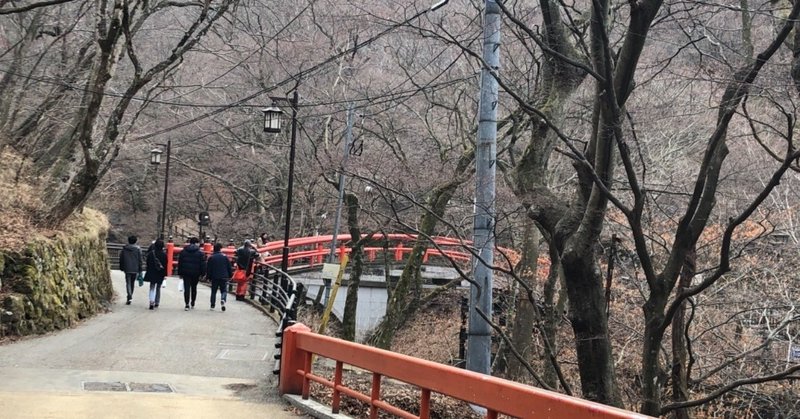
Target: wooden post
pixel 292 359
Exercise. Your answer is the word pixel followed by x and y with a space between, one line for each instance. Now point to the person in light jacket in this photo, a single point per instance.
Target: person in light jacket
pixel 219 270
pixel 130 262
pixel 156 271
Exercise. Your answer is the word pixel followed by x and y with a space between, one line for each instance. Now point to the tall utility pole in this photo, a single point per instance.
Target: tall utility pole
pixel 347 141
pixel 479 334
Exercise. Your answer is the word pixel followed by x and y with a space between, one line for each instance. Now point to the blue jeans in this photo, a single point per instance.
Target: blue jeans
pixel 222 286
pixel 130 283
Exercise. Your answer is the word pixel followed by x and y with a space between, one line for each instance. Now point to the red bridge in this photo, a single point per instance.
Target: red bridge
pixel 312 251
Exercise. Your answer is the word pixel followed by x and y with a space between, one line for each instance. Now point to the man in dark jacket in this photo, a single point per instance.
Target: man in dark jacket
pixel 219 270
pixel 130 262
pixel 191 266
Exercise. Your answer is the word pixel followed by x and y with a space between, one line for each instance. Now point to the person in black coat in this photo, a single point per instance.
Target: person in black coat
pixel 130 262
pixel 218 270
pixel 156 271
pixel 191 266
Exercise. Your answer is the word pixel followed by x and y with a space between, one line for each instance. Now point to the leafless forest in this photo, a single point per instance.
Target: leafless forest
pixel 646 165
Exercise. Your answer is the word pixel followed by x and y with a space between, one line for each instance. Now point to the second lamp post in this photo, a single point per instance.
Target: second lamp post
pixel 155 159
pixel 272 123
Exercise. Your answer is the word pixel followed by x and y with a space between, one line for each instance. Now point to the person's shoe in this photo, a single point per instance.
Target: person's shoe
pixel 156 306
pixel 127 303
pixel 223 307
pixel 186 308
pixel 212 308
pixel 152 306
pixel 192 306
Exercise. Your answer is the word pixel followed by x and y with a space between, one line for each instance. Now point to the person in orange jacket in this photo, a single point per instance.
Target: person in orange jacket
pixel 246 256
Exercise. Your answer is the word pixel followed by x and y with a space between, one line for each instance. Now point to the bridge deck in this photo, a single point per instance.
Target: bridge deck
pixel 129 354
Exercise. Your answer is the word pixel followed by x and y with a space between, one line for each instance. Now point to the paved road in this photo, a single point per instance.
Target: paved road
pixel 136 363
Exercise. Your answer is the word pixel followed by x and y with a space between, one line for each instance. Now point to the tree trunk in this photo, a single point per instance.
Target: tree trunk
pixel 525 312
pixel 680 377
pixel 554 297
pixel 357 267
pixel 587 311
pixel 651 367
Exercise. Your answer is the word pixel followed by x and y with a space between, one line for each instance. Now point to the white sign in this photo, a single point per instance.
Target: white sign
pixel 794 353
pixel 330 270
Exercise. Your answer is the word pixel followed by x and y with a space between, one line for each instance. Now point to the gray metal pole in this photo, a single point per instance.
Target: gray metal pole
pixel 336 221
pixel 479 334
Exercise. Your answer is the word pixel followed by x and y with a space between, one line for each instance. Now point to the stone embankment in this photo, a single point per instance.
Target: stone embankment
pixel 50 283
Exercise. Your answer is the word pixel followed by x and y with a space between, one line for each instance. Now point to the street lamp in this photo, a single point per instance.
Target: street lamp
pixel 272 124
pixel 203 220
pixel 155 159
pixel 272 119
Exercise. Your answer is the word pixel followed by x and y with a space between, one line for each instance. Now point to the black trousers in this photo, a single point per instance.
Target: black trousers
pixel 190 289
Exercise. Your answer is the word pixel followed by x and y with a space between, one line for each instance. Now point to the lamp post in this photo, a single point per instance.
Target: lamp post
pixel 155 159
pixel 272 123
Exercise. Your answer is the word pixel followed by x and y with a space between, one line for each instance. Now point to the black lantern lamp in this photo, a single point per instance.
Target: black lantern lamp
pixel 155 156
pixel 272 119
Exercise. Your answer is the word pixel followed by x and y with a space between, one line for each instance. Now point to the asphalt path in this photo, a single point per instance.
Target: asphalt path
pixel 132 362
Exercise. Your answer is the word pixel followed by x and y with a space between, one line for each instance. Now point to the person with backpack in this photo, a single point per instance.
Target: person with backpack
pixel 245 257
pixel 218 270
pixel 191 266
pixel 156 271
pixel 130 262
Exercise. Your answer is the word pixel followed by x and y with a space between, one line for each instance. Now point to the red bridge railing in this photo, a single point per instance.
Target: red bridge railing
pixel 497 395
pixel 312 251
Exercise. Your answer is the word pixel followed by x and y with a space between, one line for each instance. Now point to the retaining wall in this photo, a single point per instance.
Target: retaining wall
pixel 53 282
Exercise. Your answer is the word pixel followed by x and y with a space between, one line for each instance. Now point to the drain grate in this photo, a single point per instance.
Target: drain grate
pixel 119 386
pixel 104 386
pixel 151 387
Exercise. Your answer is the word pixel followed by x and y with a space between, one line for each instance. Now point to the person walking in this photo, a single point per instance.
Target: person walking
pixel 156 271
pixel 218 270
pixel 245 256
pixel 130 262
pixel 191 266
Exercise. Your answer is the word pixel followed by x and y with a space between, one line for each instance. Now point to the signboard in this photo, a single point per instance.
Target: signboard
pixel 330 270
pixel 794 353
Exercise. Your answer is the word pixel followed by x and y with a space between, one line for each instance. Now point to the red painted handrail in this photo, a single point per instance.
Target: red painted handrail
pixel 313 250
pixel 497 395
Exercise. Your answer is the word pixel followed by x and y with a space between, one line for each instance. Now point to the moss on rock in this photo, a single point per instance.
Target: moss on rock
pixel 52 282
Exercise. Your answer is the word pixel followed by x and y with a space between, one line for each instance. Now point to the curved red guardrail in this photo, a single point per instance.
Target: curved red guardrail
pixel 497 395
pixel 312 251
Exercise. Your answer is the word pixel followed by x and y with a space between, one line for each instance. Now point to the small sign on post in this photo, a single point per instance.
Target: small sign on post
pixel 330 270
pixel 794 353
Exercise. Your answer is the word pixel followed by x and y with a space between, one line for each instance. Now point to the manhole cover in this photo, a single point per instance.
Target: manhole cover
pixel 151 387
pixel 104 386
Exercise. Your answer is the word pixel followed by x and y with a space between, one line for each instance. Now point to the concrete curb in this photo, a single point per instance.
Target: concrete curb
pixel 310 407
